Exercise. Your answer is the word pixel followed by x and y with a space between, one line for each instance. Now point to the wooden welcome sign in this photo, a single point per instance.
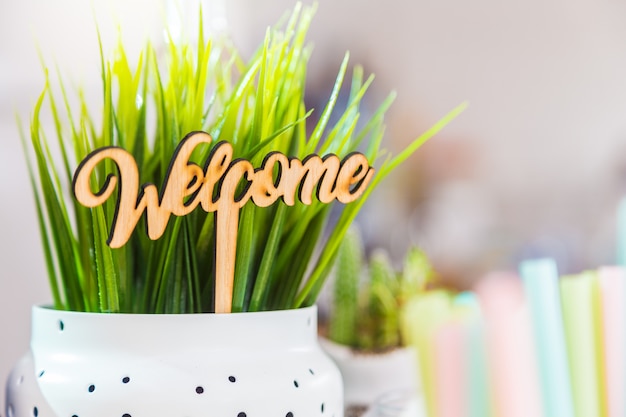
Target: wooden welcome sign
pixel 215 187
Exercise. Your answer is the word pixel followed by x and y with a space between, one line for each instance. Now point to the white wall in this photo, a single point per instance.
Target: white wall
pixel 65 33
pixel 536 164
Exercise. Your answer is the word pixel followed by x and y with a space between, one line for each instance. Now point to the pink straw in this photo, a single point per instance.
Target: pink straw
pixel 613 297
pixel 451 370
pixel 510 349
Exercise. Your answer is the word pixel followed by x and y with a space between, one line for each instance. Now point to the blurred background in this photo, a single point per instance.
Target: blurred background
pixel 535 166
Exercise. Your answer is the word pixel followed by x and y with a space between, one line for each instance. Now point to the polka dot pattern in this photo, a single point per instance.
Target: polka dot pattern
pixel 282 381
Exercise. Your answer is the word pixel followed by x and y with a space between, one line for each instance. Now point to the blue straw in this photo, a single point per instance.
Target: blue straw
pixel 621 232
pixel 478 380
pixel 542 291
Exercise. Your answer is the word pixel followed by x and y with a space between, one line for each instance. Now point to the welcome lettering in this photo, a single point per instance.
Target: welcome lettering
pixel 223 186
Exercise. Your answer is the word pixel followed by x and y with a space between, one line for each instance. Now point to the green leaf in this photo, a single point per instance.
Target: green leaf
pixel 243 262
pixel 107 270
pixel 262 284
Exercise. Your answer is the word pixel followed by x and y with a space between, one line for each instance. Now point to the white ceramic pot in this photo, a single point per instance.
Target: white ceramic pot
pixel 370 376
pixel 191 365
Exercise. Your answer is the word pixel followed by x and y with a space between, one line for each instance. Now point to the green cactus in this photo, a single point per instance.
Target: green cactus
pixel 346 289
pixel 416 274
pixel 378 329
pixel 368 318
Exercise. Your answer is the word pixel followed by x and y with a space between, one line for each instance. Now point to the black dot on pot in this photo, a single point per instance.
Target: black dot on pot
pixel 232 379
pixel 91 388
pixel 35 411
pixel 41 373
pixel 242 414
pixel 295 383
pixel 311 371
pixel 125 415
pixel 289 414
pixel 126 380
pixel 199 390
pixel 74 415
pixel 61 325
pixel 322 407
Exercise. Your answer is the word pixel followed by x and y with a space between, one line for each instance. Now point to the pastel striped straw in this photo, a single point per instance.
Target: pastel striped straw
pixel 621 232
pixel 583 328
pixel 613 298
pixel 475 369
pixel 512 362
pixel 451 380
pixel 541 285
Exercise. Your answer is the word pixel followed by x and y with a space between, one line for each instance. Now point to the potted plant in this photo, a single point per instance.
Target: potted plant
pixel 364 334
pixel 218 158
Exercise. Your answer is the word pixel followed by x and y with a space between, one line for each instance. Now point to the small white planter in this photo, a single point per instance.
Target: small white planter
pixel 194 365
pixel 369 377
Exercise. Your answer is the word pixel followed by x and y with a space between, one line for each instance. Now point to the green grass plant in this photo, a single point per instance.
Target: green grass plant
pixel 283 253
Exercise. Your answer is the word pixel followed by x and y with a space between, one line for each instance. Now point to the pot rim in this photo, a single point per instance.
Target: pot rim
pixel 65 329
pixel 47 308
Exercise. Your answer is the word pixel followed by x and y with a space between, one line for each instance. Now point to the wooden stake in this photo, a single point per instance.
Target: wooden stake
pixel 226 228
pixel 226 225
